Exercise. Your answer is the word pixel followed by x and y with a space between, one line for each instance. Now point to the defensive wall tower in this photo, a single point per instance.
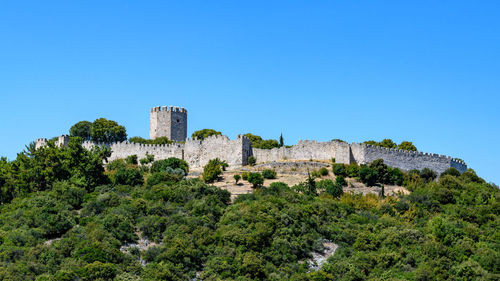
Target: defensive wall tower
pixel 170 122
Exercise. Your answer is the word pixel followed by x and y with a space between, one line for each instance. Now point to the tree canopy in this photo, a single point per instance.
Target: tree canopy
pixel 205 133
pixel 101 130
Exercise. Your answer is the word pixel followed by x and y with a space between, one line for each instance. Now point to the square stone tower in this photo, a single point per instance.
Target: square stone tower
pixel 168 122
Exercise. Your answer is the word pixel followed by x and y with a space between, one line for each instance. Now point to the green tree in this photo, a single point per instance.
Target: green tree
pixel 256 179
pixel 81 129
pixel 126 176
pixel 281 140
pixel 212 170
pixel 388 143
pixel 205 133
pixel 107 131
pixel 407 145
pixel 368 175
pixel 172 163
pixel 258 142
pixel 237 178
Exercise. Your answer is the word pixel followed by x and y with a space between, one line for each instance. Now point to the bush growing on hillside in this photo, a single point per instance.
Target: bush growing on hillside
pixel 339 170
pixel 315 174
pixel 396 176
pixel 428 174
pixel 450 171
pixel 124 176
pixel 237 178
pixel 252 160
pixel 116 164
pixel 172 162
pixel 340 180
pixel 212 170
pixel 244 175
pixel 382 170
pixel 368 175
pixel 323 171
pixel 256 179
pixel 352 171
pixel 148 159
pixel 269 174
pixel 166 177
pixel 331 188
pixel 131 159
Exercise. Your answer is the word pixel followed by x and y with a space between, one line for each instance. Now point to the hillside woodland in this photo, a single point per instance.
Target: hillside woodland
pixel 66 216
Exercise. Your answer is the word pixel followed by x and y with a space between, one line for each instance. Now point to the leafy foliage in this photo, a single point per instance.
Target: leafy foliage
pixel 77 227
pixel 258 142
pixel 172 163
pixel 81 129
pixel 256 179
pixel 269 174
pixel 212 170
pixel 205 133
pixel 158 140
pixel 107 131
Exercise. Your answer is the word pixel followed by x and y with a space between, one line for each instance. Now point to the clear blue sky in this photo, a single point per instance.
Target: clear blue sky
pixel 424 71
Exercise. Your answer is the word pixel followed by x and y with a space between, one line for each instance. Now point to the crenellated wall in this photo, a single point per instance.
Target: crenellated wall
pixel 305 150
pixel 236 152
pixel 197 153
pixel 359 153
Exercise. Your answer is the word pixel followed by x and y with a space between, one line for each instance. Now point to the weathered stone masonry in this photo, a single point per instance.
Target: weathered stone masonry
pixel 172 123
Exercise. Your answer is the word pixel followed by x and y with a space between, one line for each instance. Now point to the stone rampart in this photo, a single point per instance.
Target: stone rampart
pixel 306 150
pixel 197 153
pixel 359 153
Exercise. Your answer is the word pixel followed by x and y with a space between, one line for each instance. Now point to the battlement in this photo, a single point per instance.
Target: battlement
pixel 169 109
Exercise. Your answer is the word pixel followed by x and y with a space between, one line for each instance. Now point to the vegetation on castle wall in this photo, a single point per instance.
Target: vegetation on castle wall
pixel 205 133
pixel 258 142
pixel 158 140
pixel 78 226
pixel 404 145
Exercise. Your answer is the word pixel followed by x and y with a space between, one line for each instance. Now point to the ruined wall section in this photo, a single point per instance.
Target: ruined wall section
pixel 305 150
pixel 409 160
pixel 197 153
pixel 234 152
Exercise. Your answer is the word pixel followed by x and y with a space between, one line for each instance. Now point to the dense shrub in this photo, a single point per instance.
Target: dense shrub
pixel 450 171
pixel 339 170
pixel 237 178
pixel 428 174
pixel 256 179
pixel 331 188
pixel 396 176
pixel 368 175
pixel 172 162
pixel 212 170
pixel 131 159
pixel 382 170
pixel 352 171
pixel 323 171
pixel 244 175
pixel 125 176
pixel 269 174
pixel 164 177
pixel 148 159
pixel 116 164
pixel 340 180
pixel 407 145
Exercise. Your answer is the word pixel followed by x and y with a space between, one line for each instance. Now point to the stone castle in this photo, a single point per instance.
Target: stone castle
pixel 171 122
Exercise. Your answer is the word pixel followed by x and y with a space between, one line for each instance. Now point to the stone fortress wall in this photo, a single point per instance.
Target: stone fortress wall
pixel 171 122
pixel 195 152
pixel 359 153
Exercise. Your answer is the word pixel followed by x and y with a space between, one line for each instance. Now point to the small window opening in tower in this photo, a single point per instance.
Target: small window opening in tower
pixel 177 120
